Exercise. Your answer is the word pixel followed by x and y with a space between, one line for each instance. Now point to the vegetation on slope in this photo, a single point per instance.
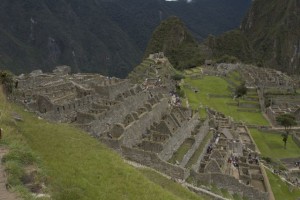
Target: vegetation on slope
pixel 173 38
pixel 148 69
pixel 233 43
pixel 272 26
pixel 170 185
pixel 268 37
pixel 209 86
pixel 98 36
pixel 271 145
pixel 280 189
pixel 78 166
pixel 41 34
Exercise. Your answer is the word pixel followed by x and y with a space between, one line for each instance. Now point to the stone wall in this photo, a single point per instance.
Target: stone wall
pixel 178 137
pixel 151 146
pixel 152 160
pixel 111 91
pixel 296 138
pixel 198 139
pixel 117 112
pixel 196 166
pixel 229 183
pixel 133 133
pixel 115 144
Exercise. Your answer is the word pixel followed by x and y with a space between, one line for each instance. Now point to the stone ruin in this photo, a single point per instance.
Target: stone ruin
pixel 157 56
pixel 267 79
pixel 276 90
pixel 60 97
pixel 154 74
pixel 146 128
pixel 230 161
pixel 221 69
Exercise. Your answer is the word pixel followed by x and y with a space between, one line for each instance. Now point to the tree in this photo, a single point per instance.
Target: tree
pixel 6 79
pixel 241 90
pixel 286 120
pixel 177 77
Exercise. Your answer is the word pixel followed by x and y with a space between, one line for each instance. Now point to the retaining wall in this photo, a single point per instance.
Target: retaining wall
pixel 152 160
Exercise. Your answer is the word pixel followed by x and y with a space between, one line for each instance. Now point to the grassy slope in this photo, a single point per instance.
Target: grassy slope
pixel 78 166
pixel 280 189
pixel 271 145
pixel 170 185
pixel 216 85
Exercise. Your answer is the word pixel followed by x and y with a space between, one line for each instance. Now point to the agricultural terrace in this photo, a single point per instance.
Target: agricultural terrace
pixel 216 92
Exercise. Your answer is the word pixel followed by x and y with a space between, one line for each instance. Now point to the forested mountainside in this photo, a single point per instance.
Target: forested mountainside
pixel 176 41
pixel 106 36
pixel 269 36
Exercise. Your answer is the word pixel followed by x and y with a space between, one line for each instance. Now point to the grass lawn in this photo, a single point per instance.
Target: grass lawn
pixel 235 78
pixel 199 150
pixel 280 189
pixel 271 145
pixel 78 166
pixel 182 150
pixel 216 85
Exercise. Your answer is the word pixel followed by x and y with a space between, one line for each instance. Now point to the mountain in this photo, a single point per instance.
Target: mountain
pixel 268 36
pixel 273 28
pixel 106 36
pixel 40 34
pixel 173 38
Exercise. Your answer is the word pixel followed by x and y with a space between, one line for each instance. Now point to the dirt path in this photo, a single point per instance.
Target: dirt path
pixel 4 193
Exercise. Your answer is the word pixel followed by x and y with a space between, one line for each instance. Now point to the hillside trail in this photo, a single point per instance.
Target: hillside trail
pixel 4 193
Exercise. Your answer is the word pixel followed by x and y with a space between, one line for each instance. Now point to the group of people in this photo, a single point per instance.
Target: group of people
pixel 253 159
pixel 175 99
pixel 234 160
pixel 209 149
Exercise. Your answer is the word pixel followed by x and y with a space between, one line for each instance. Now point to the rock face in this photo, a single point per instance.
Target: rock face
pixel 273 28
pixel 268 36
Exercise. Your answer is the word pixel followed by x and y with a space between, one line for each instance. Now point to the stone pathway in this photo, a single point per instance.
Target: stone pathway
pixel 4 193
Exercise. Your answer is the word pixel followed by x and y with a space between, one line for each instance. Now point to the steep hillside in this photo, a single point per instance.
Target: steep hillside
pixel 98 35
pixel 42 34
pixel 173 38
pixel 273 28
pixel 268 36
pixel 232 43
pixel 76 165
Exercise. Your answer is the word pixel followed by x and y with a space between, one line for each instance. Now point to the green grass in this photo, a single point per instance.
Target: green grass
pixel 235 78
pixel 216 190
pixel 225 193
pixel 199 150
pixel 182 150
pixel 271 145
pixel 216 85
pixel 80 167
pixel 281 190
pixel 20 155
pixel 170 185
